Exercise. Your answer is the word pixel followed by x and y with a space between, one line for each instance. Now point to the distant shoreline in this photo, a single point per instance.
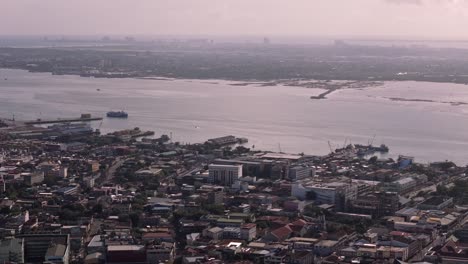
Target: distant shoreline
pixel 329 86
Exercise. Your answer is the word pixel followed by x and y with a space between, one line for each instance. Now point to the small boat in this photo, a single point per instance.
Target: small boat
pixel 98 90
pixel 118 114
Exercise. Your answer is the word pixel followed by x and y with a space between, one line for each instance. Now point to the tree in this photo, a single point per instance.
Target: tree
pixel 441 190
pixel 5 211
pixel 373 159
pixel 312 210
pixel 50 180
pixel 97 209
pixel 124 217
pixel 135 218
pixel 242 149
pixel 216 209
pixel 71 212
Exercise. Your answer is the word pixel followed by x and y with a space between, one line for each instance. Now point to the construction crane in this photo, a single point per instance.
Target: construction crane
pixel 329 145
pixel 371 141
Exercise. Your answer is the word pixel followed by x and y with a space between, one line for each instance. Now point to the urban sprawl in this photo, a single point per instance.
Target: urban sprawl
pixel 70 194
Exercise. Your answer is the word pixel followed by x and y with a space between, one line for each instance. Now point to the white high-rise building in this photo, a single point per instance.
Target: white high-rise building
pixel 224 174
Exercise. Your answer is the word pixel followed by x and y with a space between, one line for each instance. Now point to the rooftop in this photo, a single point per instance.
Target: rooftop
pixel 56 250
pixel 281 156
pixel 435 200
pixel 124 248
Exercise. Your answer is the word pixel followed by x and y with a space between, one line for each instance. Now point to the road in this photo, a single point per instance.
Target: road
pixel 190 172
pixel 113 168
pixel 433 187
pixel 430 188
pixel 421 254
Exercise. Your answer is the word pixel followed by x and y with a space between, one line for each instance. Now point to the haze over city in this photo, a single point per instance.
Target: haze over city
pixel 234 131
pixel 426 19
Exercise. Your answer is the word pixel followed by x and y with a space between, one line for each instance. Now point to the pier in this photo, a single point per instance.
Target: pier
pixel 83 118
pixel 324 94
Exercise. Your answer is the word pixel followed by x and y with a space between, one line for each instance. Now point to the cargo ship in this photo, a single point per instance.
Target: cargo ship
pixel 119 114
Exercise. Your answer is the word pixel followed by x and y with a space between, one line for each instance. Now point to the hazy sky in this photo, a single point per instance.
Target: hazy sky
pixel 380 18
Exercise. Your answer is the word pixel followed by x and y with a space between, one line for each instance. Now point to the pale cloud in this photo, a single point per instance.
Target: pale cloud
pixel 416 2
pixel 421 2
pixel 416 18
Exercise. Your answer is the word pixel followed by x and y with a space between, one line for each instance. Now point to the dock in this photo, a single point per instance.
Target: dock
pixel 66 120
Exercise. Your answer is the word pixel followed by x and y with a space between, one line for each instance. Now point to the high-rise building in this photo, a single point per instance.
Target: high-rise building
pixel 51 248
pixel 224 174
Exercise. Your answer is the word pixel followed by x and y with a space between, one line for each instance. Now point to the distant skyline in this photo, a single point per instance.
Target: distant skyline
pixel 410 19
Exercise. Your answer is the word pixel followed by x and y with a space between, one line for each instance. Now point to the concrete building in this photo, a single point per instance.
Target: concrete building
pixel 226 222
pixel 336 193
pixel 216 197
pixel 96 245
pixel 89 181
pixel 300 172
pixel 31 179
pixel 48 168
pixel 12 250
pixel 126 254
pixel 215 233
pixel 160 253
pixel 231 233
pixel 435 203
pixel 244 208
pixel 326 247
pixel 57 253
pixel 40 248
pixel 248 232
pixel 68 190
pixel 63 172
pixel 252 168
pixel 377 204
pixel 224 174
pixel 294 205
pixel 401 186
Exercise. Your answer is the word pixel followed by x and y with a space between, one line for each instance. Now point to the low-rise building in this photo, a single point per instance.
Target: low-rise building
pixel 12 250
pixel 300 172
pixel 162 252
pixel 436 203
pixel 248 231
pixel 336 193
pixel 120 254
